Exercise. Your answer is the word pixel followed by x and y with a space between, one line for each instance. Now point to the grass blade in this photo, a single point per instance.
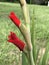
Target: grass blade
pixel 44 57
pixel 33 37
pixel 24 60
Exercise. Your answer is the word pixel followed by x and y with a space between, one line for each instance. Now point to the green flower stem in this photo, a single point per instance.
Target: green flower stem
pixel 26 31
pixel 31 58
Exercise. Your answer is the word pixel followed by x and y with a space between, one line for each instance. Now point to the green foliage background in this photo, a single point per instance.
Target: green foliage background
pixel 28 1
pixel 9 54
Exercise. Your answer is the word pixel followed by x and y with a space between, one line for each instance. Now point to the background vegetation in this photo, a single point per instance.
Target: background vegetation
pixel 41 2
pixel 9 54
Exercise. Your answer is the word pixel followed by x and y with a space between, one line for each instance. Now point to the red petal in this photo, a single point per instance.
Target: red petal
pixel 10 41
pixel 20 44
pixel 13 35
pixel 15 19
pixel 12 13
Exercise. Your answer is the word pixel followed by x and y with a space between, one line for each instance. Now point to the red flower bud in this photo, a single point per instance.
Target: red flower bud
pixel 15 19
pixel 16 41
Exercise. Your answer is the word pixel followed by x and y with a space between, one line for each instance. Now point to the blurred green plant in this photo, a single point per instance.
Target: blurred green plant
pixel 41 23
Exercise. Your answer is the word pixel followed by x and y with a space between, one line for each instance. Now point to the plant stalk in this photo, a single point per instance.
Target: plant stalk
pixel 26 31
pixel 31 58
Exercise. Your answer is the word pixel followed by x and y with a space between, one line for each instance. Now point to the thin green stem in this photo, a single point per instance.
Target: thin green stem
pixel 26 31
pixel 31 58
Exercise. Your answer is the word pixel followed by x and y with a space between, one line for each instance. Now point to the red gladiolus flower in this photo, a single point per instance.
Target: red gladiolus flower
pixel 16 41
pixel 15 19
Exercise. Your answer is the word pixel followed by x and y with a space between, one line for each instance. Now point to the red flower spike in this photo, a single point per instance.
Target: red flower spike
pixel 15 19
pixel 16 41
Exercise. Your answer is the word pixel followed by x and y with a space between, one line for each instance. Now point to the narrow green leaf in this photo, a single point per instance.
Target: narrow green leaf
pixel 24 60
pixel 33 37
pixel 44 57
pixel 37 53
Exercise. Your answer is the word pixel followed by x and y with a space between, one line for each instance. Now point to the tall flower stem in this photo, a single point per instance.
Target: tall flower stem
pixel 26 33
pixel 31 58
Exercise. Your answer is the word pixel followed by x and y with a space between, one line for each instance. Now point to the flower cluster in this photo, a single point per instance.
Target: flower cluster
pixel 12 37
